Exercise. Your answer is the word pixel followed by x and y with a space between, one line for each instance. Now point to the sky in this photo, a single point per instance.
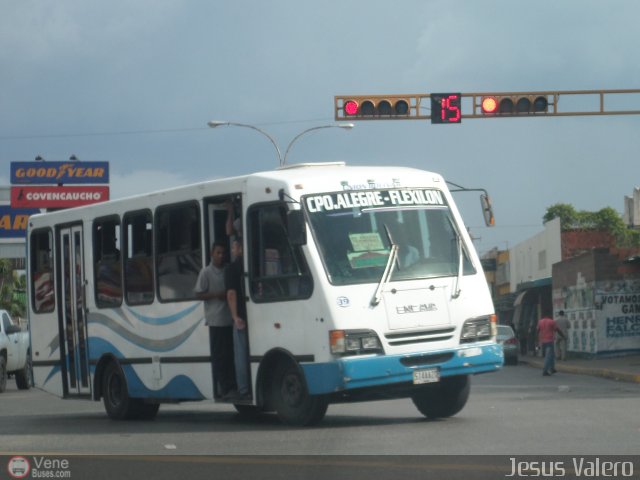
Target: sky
pixel 134 84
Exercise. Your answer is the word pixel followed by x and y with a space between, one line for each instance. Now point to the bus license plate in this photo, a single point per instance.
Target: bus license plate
pixel 429 375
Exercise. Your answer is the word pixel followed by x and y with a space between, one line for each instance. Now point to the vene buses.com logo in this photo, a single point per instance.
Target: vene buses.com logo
pixel 18 467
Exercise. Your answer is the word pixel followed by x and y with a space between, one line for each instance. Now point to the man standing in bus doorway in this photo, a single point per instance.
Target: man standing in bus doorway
pixel 561 341
pixel 234 281
pixel 210 287
pixel 547 329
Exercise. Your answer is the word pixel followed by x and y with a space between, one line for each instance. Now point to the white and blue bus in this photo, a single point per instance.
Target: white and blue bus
pixel 361 283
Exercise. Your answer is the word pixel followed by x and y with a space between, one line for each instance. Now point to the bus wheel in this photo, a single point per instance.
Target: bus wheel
pixel 23 377
pixel 3 373
pixel 443 399
pixel 292 402
pixel 117 402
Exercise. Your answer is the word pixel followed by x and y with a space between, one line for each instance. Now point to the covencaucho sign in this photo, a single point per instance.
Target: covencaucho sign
pixel 51 185
pixel 58 197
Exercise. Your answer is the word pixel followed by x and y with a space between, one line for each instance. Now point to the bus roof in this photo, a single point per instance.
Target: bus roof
pixel 296 179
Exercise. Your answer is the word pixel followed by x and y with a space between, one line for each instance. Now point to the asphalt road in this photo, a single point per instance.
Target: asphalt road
pixel 511 415
pixel 513 412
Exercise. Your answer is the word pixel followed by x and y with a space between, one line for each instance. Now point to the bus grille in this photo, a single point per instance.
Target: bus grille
pixel 426 359
pixel 406 338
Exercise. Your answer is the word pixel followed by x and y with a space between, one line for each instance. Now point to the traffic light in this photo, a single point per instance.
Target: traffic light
pixel 514 104
pixel 381 107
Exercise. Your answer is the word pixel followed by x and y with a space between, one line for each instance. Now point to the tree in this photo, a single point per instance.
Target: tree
pixel 8 283
pixel 605 219
pixel 565 212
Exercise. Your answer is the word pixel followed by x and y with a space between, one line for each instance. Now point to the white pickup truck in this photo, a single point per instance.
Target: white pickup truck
pixel 15 357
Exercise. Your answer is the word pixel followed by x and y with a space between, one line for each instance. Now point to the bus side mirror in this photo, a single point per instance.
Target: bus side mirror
pixel 487 210
pixel 296 227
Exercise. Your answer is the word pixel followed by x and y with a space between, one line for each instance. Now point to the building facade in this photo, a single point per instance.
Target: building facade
pixel 599 292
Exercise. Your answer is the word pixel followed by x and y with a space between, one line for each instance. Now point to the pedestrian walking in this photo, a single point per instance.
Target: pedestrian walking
pixel 547 329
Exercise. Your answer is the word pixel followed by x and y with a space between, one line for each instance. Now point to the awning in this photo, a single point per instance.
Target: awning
pixel 519 298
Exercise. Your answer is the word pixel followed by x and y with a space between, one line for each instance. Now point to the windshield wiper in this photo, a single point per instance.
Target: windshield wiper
pixel 456 290
pixel 388 270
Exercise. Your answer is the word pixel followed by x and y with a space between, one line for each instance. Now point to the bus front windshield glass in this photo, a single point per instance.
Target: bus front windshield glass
pixel 354 231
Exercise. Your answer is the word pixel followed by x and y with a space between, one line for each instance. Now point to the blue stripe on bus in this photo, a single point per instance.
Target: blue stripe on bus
pixel 164 320
pixel 179 387
pixel 164 345
pixel 361 372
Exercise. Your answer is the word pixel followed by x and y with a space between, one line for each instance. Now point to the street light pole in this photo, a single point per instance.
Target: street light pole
pixel 346 126
pixel 216 123
pixel 281 160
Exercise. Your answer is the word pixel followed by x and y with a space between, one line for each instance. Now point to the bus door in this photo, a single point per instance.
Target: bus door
pixel 74 320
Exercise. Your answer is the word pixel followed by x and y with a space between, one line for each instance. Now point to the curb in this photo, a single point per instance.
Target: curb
pixel 594 372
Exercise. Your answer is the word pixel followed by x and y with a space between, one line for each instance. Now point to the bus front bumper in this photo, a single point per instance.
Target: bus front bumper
pixel 380 370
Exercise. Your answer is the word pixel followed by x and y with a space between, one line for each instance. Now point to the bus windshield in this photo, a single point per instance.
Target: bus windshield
pixel 355 230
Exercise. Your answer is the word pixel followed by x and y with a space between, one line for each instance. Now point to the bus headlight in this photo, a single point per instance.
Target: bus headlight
pixel 371 343
pixel 354 342
pixel 478 329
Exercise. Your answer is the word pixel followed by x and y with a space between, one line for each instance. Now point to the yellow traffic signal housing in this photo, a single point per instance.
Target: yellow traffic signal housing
pixel 375 107
pixel 514 104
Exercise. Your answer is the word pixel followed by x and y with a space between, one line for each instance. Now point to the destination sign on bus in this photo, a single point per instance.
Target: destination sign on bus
pixel 374 198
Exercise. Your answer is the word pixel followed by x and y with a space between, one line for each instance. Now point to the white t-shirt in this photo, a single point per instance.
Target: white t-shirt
pixel 216 311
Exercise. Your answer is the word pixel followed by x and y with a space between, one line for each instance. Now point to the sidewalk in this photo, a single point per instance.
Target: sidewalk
pixel 624 369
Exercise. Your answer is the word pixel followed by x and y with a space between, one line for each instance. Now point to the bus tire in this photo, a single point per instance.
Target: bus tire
pixel 115 396
pixel 3 373
pixel 443 399
pixel 23 377
pixel 291 400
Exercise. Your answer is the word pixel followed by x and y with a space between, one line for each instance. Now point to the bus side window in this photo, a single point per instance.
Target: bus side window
pixel 41 265
pixel 138 251
pixel 178 250
pixel 108 266
pixel 277 269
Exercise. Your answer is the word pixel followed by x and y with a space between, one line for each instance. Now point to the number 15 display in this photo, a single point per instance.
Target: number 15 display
pixel 446 108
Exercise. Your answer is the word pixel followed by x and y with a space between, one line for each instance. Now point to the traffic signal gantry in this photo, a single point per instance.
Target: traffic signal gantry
pixel 443 108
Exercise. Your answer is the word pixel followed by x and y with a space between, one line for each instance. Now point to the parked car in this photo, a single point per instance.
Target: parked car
pixel 510 345
pixel 15 357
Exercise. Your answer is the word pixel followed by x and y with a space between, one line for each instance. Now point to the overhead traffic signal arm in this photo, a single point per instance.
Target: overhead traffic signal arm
pixel 453 107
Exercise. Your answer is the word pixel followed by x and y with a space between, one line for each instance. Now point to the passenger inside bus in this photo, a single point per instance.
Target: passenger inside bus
pixel 108 267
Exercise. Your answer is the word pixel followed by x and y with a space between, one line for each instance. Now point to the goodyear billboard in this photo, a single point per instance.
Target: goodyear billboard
pixel 47 173
pixel 13 221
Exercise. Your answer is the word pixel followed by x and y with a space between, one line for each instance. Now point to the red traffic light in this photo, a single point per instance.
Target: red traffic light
pixel 351 107
pixel 489 105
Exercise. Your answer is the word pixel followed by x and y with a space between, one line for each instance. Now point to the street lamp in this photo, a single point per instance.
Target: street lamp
pixel 281 160
pixel 346 126
pixel 218 123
